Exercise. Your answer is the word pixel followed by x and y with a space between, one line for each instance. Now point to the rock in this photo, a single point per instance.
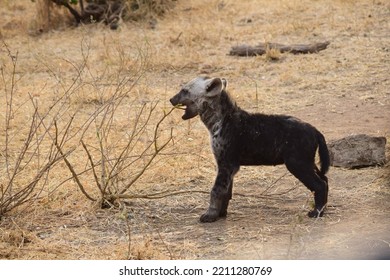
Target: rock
pixel 357 151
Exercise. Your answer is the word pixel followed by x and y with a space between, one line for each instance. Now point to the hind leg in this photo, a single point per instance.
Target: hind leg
pixel 325 179
pixel 314 181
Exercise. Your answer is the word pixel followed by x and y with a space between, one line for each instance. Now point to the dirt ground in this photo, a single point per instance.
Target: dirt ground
pixel 342 90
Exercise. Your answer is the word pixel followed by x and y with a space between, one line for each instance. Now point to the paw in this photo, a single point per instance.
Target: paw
pixel 315 213
pixel 209 217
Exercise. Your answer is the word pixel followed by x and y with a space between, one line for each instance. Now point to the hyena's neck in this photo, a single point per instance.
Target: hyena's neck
pixel 214 112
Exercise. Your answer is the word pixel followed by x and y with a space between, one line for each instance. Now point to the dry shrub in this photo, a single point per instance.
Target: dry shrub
pixel 28 155
pixel 272 54
pixel 145 250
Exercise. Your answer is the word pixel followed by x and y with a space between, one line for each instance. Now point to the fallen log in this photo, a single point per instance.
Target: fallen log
pixel 262 48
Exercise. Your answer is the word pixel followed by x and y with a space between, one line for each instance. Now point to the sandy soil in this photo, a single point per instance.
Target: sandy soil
pixel 342 90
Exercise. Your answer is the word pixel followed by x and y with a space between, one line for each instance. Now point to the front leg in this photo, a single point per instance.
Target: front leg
pixel 220 195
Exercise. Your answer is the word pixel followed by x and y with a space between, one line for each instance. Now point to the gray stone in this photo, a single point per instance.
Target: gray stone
pixel 357 151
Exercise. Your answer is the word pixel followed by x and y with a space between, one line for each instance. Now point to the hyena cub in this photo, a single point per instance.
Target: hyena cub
pixel 241 138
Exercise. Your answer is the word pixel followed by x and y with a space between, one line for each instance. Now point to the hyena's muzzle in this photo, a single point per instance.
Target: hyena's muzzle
pixel 183 99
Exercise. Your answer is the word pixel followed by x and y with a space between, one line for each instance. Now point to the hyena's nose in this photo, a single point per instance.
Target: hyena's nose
pixel 174 100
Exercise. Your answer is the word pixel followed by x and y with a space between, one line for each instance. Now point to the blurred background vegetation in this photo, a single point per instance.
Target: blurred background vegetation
pixel 53 13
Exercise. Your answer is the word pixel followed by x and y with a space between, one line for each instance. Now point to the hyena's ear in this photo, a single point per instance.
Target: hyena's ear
pixel 224 83
pixel 214 87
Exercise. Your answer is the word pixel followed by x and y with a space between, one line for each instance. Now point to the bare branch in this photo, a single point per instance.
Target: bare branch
pixel 157 150
pixel 70 167
pixel 93 168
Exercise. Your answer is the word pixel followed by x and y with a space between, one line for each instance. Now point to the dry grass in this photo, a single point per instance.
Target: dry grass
pixel 341 90
pixel 272 54
pixel 147 9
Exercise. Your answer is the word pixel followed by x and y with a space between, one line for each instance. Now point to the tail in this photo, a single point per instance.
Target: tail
pixel 324 153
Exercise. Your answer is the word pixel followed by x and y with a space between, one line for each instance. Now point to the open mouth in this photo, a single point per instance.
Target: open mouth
pixel 190 110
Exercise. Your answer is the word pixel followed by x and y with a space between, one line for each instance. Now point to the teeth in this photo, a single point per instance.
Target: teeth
pixel 180 106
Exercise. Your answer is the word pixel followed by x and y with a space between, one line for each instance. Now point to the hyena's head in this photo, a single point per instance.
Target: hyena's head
pixel 196 92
